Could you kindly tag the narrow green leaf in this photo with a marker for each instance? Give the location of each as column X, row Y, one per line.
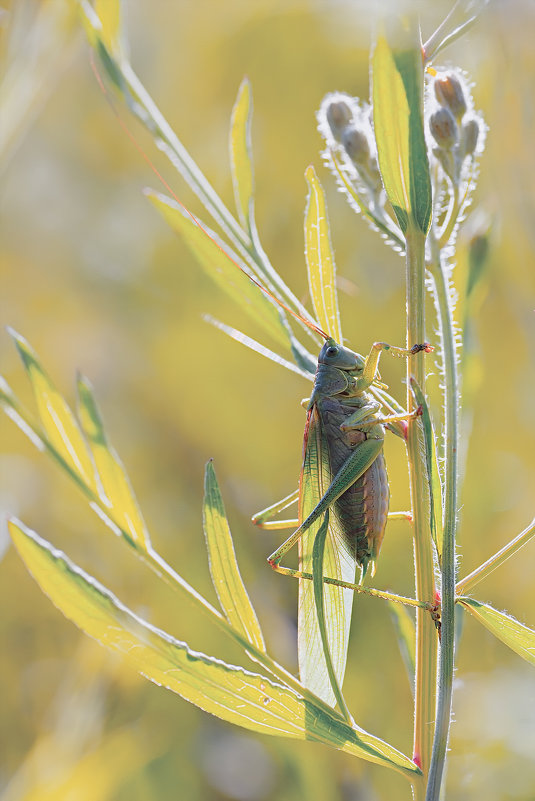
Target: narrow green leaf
column 239, row 336
column 319, row 589
column 217, row 259
column 117, row 492
column 406, row 634
column 57, row 420
column 224, row 569
column 241, row 152
column 514, row 634
column 433, row 475
column 23, row 420
column 320, row 259
column 397, row 77
column 109, row 14
column 460, row 19
column 338, row 563
column 90, row 21
column 232, row 693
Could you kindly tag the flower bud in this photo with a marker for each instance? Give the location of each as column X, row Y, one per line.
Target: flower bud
column 339, row 114
column 449, row 93
column 470, row 135
column 356, row 145
column 444, row 128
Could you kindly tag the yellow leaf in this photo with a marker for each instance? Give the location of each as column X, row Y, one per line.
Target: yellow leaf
column 224, row 570
column 219, row 262
column 109, row 13
column 58, row 421
column 232, row 693
column 515, row 635
column 118, row 494
column 241, row 152
column 320, row 259
column 398, row 126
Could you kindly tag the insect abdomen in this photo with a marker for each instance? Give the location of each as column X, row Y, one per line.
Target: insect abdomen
column 361, row 512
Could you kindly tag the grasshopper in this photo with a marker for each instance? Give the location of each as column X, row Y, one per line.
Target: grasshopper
column 343, row 479
column 344, row 436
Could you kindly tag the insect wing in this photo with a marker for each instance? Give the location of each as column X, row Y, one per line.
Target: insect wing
column 338, row 563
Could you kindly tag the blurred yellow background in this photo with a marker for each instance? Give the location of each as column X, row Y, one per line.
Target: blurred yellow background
column 97, row 283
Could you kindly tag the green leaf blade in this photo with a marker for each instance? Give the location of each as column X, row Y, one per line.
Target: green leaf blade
column 117, row 490
column 514, row 634
column 321, row 267
column 109, row 14
column 232, row 693
column 241, row 153
column 398, row 123
column 337, row 562
column 220, row 264
column 224, row 570
column 57, row 419
column 318, row 552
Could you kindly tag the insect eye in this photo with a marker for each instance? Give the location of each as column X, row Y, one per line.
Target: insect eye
column 332, row 351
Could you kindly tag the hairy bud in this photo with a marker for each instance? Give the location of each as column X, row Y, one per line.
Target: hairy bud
column 339, row 115
column 356, row 145
column 470, row 136
column 450, row 94
column 444, row 128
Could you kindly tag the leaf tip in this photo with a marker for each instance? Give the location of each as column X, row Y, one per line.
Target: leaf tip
column 17, row 531
column 245, row 85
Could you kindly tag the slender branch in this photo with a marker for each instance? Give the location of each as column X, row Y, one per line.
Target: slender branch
column 445, row 679
column 426, row 637
column 495, row 561
column 452, row 219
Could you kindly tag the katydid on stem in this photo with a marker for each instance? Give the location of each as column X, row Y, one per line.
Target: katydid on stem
column 343, row 482
column 343, row 438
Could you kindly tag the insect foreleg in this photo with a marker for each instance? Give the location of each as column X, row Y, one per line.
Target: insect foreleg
column 372, row 360
column 356, row 421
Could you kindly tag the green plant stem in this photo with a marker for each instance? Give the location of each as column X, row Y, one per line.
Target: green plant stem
column 495, row 561
column 426, row 637
column 452, row 219
column 445, row 679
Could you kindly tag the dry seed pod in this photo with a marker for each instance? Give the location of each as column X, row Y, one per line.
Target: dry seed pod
column 450, row 94
column 444, row 128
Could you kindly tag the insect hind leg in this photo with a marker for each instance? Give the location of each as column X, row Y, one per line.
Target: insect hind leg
column 360, row 588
